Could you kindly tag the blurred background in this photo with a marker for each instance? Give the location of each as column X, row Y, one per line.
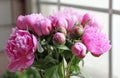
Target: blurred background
column 106, row 66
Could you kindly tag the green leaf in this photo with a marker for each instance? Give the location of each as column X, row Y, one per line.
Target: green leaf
column 76, row 60
column 75, row 69
column 29, row 73
column 49, row 59
column 9, row 74
column 63, row 47
column 46, row 62
column 64, row 62
column 56, row 71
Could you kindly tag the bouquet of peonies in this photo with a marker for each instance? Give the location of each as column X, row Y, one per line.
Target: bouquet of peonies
column 55, row 45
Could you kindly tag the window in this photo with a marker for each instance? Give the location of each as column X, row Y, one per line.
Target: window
column 5, row 12
column 9, row 10
column 107, row 66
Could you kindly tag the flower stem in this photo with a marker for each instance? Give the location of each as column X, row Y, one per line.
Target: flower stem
column 68, row 72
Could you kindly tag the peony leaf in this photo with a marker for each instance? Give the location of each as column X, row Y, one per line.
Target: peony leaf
column 56, row 71
column 76, row 60
column 63, row 47
column 75, row 69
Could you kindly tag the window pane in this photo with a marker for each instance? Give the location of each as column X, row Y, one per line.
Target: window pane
column 5, row 12
column 100, row 64
column 93, row 3
column 50, row 0
column 48, row 9
column 116, row 47
column 116, row 4
column 103, row 17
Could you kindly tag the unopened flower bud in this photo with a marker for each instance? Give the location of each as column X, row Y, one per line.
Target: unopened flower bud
column 86, row 18
column 62, row 22
column 79, row 50
column 59, row 38
column 77, row 31
column 62, row 30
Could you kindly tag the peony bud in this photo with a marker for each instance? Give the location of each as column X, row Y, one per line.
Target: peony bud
column 43, row 27
column 28, row 21
column 79, row 50
column 93, row 21
column 86, row 18
column 62, row 30
column 21, row 23
column 59, row 38
column 46, row 26
column 76, row 31
column 62, row 22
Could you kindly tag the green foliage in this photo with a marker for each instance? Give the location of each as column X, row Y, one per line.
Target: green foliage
column 63, row 47
column 51, row 61
column 75, row 70
column 56, row 71
column 8, row 74
column 28, row 73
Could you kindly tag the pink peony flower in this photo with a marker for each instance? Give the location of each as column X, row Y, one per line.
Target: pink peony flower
column 91, row 20
column 72, row 16
column 61, row 22
column 79, row 50
column 31, row 20
column 21, row 23
column 96, row 42
column 72, row 20
column 28, row 21
column 59, row 38
column 20, row 49
column 86, row 18
column 43, row 27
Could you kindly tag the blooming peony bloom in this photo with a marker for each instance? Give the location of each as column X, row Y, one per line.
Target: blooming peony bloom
column 43, row 27
column 59, row 38
column 28, row 21
column 20, row 49
column 96, row 42
column 79, row 49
